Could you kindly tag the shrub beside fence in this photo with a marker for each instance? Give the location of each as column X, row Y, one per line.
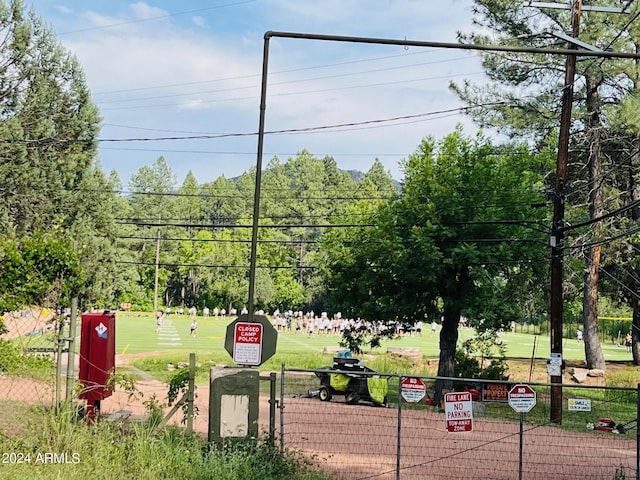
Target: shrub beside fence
column 410, row 440
column 27, row 353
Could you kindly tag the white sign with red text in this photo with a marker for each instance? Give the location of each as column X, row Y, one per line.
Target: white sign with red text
column 247, row 345
column 522, row 398
column 413, row 389
column 458, row 411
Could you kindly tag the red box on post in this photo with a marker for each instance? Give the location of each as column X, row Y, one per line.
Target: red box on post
column 97, row 357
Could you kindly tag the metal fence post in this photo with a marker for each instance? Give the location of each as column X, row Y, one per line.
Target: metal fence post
column 282, row 409
column 638, row 433
column 59, row 347
column 71, row 352
column 272, row 408
column 521, row 438
column 399, row 435
column 191, row 393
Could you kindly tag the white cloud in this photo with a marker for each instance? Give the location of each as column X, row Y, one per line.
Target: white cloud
column 125, row 62
column 142, row 10
column 94, row 19
column 64, row 9
column 195, row 104
column 198, row 21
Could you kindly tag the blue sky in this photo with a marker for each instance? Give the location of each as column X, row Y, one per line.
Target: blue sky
column 165, row 69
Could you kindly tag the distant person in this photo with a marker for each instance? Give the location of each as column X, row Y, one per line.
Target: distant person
column 310, row 327
column 579, row 336
column 628, row 341
column 193, row 328
column 419, row 328
column 434, row 327
column 205, row 312
column 159, row 320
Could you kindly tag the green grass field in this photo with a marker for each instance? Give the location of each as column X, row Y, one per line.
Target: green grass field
column 136, row 333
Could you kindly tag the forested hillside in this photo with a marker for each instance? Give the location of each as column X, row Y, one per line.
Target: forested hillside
column 198, row 235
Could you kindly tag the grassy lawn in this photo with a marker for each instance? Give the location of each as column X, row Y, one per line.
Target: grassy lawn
column 136, row 333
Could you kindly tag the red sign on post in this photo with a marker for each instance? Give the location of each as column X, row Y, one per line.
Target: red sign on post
column 247, row 344
column 412, row 389
column 458, row 409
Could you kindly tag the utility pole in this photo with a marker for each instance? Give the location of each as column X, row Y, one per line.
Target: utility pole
column 558, row 223
column 557, row 232
column 156, row 274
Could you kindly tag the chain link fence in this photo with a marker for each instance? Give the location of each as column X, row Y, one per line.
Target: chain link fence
column 389, row 430
column 400, row 439
column 29, row 379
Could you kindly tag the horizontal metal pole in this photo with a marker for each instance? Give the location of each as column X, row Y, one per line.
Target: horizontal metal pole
column 450, row 45
column 567, row 6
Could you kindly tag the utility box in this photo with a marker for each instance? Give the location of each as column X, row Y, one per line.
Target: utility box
column 97, row 357
column 233, row 404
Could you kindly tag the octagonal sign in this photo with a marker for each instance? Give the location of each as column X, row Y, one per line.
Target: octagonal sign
column 412, row 389
column 522, row 398
column 251, row 341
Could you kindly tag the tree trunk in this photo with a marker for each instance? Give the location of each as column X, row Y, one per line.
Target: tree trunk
column 592, row 347
column 635, row 329
column 634, row 288
column 448, row 343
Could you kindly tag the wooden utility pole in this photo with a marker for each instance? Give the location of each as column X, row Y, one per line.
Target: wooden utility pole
column 557, row 227
column 157, row 269
column 558, row 223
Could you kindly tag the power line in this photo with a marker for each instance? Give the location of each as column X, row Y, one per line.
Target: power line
column 607, row 240
column 236, row 196
column 303, row 92
column 288, row 82
column 299, row 130
column 217, row 240
column 207, row 265
column 148, row 19
column 240, row 219
column 338, row 126
column 233, row 225
column 278, row 72
column 252, row 154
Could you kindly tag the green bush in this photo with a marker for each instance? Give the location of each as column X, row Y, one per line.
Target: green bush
column 482, row 356
column 14, row 361
column 545, row 327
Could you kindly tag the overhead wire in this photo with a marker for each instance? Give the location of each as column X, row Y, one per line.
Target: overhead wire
column 288, row 94
column 50, row 140
column 289, row 82
column 207, row 265
column 274, row 73
column 157, row 17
